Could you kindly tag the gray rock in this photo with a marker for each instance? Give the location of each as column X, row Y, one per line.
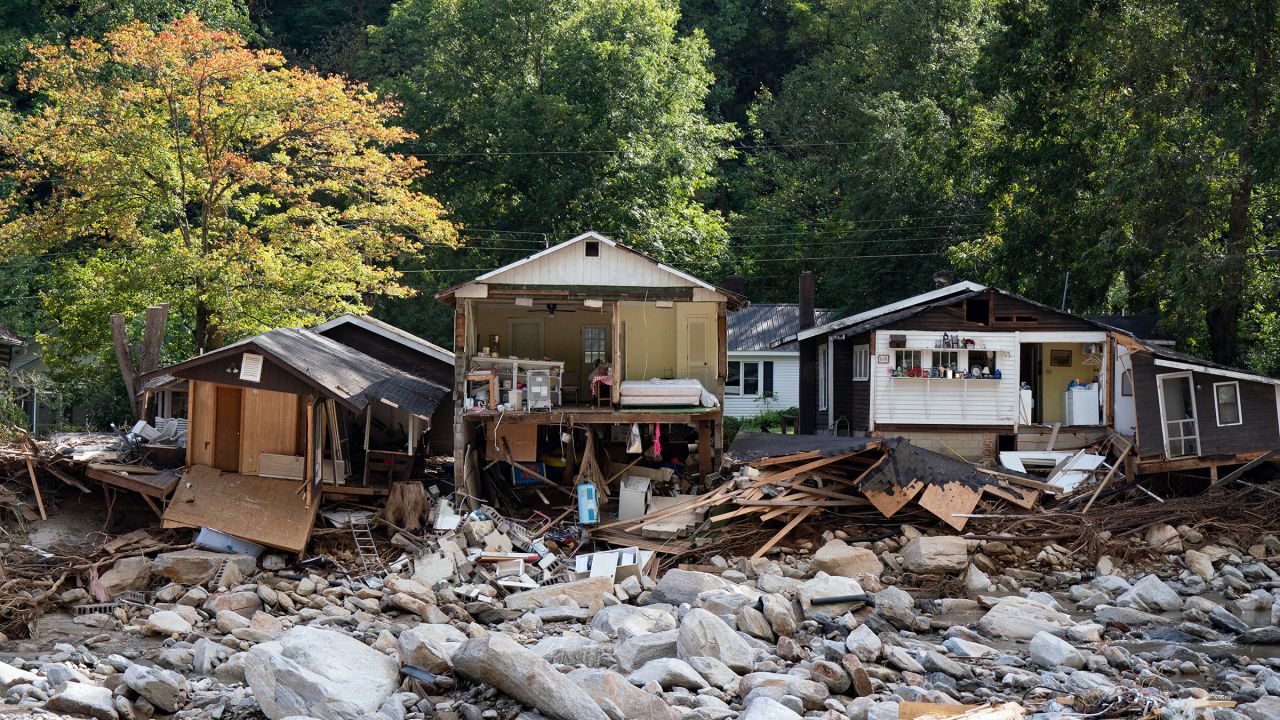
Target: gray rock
column 1224, row 620
column 1050, row 651
column 85, row 700
column 166, row 622
column 634, row 619
column 1264, row 708
column 936, row 555
column 765, row 708
column 1260, row 636
column 582, row 592
column 839, row 558
column 1150, row 594
column 1015, row 618
column 781, row 614
column 163, row 688
column 197, row 567
column 967, row 648
column 753, row 622
column 322, row 673
column 619, row 699
column 864, row 644
column 131, row 573
column 812, row 694
column 702, row 634
column 637, row 650
column 420, row 649
column 826, row 586
column 1199, row 563
column 669, row 673
column 497, row 660
column 1109, row 614
column 715, row 672
column 570, row 650
column 683, row 586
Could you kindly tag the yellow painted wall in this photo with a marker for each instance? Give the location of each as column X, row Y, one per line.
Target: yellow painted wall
column 1056, row 379
column 561, row 335
column 651, row 340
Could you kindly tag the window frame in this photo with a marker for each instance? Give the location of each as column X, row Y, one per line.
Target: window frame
column 861, row 362
column 899, row 353
column 823, row 375
column 603, row 353
column 1126, row 379
column 745, row 391
column 1217, row 405
column 733, row 388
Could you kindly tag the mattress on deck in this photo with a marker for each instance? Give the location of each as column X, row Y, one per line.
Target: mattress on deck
column 672, row 400
column 667, row 393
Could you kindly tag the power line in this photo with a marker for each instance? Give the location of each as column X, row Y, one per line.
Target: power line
column 618, row 151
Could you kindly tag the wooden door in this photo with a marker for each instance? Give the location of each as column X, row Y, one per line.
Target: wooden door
column 226, row 429
column 698, row 349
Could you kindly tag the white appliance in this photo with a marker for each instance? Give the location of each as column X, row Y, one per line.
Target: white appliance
column 539, row 391
column 1026, row 403
column 1080, row 406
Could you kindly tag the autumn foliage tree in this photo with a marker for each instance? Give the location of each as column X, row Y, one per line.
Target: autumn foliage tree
column 175, row 164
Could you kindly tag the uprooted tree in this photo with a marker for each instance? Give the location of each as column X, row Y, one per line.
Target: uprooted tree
column 175, row 164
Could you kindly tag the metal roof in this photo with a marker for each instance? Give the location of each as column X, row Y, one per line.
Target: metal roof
column 336, row 370
column 390, row 332
column 754, row 327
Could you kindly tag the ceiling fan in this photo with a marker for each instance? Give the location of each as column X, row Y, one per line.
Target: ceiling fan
column 551, row 310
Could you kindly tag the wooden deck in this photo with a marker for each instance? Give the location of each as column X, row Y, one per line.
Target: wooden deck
column 591, row 415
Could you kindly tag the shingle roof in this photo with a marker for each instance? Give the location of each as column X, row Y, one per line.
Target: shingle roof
column 1145, row 327
column 754, row 327
column 9, row 337
column 339, row 371
column 389, row 331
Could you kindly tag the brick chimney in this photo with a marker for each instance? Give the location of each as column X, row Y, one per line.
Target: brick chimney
column 806, row 299
column 736, row 284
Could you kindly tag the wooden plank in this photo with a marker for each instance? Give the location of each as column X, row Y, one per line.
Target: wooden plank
column 1016, row 479
column 35, row 487
column 705, row 449
column 911, row 709
column 523, row 440
column 785, row 459
column 225, row 453
column 946, row 500
column 783, row 532
column 268, row 424
column 1110, row 474
column 889, row 504
column 203, row 399
column 285, row 467
column 1242, row 469
column 1024, row 498
column 156, row 486
column 263, row 510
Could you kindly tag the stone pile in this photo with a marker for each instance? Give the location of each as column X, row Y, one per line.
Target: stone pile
column 815, row 630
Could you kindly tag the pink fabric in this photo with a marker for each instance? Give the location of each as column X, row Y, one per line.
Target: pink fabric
column 657, row 440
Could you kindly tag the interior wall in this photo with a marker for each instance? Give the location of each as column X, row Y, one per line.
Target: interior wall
column 561, row 335
column 200, row 421
column 1056, row 379
column 650, row 340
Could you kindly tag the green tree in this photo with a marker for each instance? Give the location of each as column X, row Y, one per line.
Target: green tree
column 176, row 165
column 560, row 117
column 860, row 172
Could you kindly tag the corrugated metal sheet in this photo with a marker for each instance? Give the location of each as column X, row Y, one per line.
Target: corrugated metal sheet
column 752, row 328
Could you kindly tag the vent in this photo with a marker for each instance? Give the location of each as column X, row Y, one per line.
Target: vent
column 592, row 248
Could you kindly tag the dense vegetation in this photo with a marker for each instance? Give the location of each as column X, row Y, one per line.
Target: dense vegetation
column 1122, row 153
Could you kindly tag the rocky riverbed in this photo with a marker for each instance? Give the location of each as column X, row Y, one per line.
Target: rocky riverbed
column 1171, row 622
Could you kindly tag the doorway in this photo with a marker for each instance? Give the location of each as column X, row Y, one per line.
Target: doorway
column 1178, row 413
column 226, row 429
column 1031, row 370
column 697, row 355
column 526, row 339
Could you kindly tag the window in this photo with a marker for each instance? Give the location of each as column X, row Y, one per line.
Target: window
column 984, row 360
column 1226, row 398
column 822, row 376
column 595, row 345
column 592, row 248
column 861, row 362
column 906, row 359
column 733, row 383
column 748, row 378
column 1126, row 383
column 947, row 359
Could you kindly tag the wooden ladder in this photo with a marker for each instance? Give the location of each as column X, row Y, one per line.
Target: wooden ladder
column 370, row 560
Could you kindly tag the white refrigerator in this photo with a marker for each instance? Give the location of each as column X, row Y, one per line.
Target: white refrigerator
column 1080, row 406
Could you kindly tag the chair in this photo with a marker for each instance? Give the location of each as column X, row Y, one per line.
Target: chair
column 569, row 383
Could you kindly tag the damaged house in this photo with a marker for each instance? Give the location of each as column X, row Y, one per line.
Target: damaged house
column 977, row 371
column 278, row 419
column 581, row 341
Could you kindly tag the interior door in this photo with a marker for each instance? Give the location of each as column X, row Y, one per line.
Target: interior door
column 226, row 429
column 1178, row 411
column 526, row 339
column 697, row 359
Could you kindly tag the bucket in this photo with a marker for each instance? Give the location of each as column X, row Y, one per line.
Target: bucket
column 588, row 505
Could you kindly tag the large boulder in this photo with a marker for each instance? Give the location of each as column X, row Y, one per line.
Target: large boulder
column 320, row 673
column 166, row 622
column 766, row 708
column 824, row 587
column 84, row 700
column 840, row 558
column 684, row 586
column 635, row 620
column 420, row 649
column 668, row 673
column 703, row 634
column 197, row 567
column 1015, row 618
column 637, row 650
column 936, row 555
column 1049, row 651
column 497, row 660
column 163, row 688
column 619, row 699
column 131, row 573
column 583, row 592
column 1150, row 594
column 1199, row 563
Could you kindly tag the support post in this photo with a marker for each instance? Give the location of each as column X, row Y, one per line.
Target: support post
column 705, row 448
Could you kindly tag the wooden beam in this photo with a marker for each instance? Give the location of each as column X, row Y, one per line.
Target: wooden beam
column 120, row 341
column 786, row 529
column 35, row 486
column 1246, row 467
column 705, row 449
column 1110, row 474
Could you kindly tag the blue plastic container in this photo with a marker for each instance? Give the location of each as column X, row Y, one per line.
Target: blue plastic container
column 588, row 505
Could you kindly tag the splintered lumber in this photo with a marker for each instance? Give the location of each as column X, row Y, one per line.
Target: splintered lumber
column 783, row 532
column 889, row 503
column 949, row 502
column 1110, row 474
column 35, row 486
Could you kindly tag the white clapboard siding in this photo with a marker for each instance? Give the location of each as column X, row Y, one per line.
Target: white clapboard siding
column 786, row 385
column 570, row 266
column 921, row 401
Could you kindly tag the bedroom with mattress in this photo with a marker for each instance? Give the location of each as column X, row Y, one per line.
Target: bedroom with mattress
column 678, row 392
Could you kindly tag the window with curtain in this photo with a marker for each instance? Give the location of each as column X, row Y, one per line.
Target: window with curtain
column 861, row 362
column 1227, row 398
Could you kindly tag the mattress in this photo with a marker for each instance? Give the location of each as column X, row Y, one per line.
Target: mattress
column 676, row 392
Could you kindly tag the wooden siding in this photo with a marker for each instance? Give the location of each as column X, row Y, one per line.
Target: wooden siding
column 809, row 416
column 274, row 377
column 952, row 318
column 200, row 423
column 852, row 397
column 1259, row 431
column 269, row 423
column 571, row 266
column 941, row 401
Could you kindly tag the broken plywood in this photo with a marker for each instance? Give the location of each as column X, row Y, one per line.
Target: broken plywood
column 891, row 500
column 266, row 511
column 949, row 500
